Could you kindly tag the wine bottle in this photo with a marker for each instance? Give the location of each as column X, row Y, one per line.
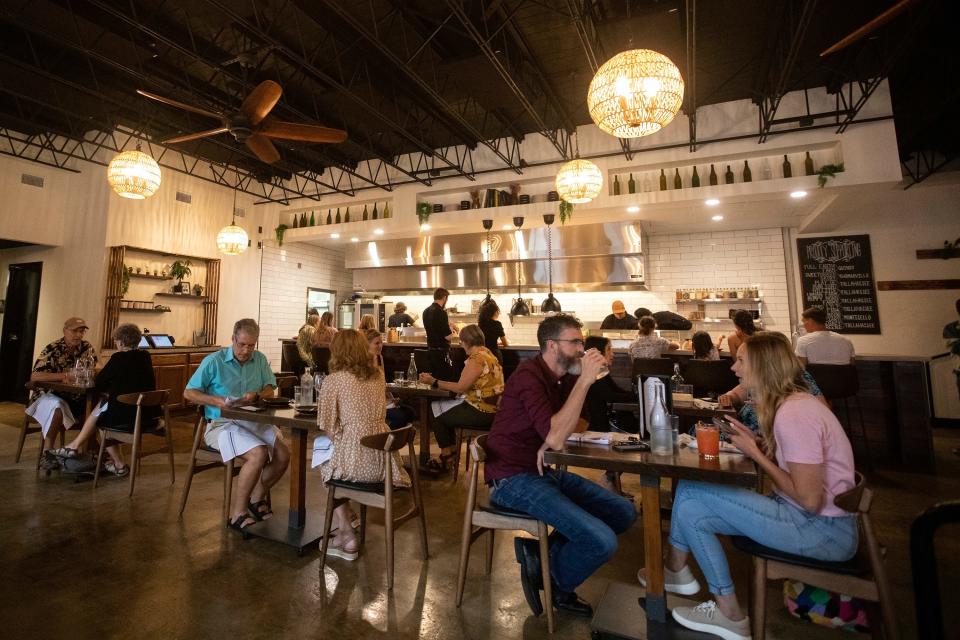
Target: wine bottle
column 313, row 220
column 296, row 222
column 631, row 185
column 808, row 165
column 303, row 219
column 695, row 180
column 787, row 169
column 366, row 214
column 663, row 181
column 747, row 176
column 713, row 176
column 346, row 218
column 677, row 180
column 616, row 185
column 376, row 214
column 329, row 217
column 338, row 219
column 728, row 176
column 386, row 210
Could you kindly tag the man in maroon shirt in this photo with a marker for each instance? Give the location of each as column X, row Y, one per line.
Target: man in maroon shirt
column 540, row 408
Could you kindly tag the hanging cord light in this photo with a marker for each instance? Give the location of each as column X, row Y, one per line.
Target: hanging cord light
column 551, row 303
column 578, row 181
column 519, row 307
column 487, row 225
column 232, row 240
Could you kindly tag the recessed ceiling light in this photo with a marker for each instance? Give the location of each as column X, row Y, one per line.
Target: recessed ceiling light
column 379, row 232
column 712, row 202
column 354, row 239
column 798, row 194
column 507, row 227
column 425, row 227
column 633, row 209
column 335, row 236
column 717, row 218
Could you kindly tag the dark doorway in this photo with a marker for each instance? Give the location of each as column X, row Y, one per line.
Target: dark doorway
column 19, row 330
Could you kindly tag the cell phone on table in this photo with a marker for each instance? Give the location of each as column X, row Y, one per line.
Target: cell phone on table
column 725, row 427
column 631, row 446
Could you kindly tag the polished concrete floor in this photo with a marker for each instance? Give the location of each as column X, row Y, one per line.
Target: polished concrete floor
column 82, row 563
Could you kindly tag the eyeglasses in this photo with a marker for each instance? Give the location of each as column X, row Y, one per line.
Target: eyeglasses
column 576, row 341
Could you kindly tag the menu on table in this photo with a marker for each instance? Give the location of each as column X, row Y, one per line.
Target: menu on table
column 836, row 273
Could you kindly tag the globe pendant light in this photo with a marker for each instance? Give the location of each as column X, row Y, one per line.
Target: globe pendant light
column 551, row 303
column 487, row 225
column 635, row 93
column 579, row 181
column 232, row 240
column 519, row 307
column 133, row 174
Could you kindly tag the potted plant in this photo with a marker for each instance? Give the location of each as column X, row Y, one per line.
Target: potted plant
column 565, row 211
column 198, row 290
column 424, row 209
column 124, row 280
column 828, row 171
column 280, row 230
column 180, row 269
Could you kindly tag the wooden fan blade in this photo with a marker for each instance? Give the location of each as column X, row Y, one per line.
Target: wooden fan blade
column 196, row 136
column 870, row 27
column 180, row 105
column 263, row 148
column 260, row 101
column 302, row 132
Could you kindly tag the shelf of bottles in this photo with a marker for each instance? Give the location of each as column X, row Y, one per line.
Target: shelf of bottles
column 367, row 212
column 736, row 298
column 721, row 172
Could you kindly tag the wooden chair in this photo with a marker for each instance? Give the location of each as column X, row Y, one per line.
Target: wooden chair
column 840, row 383
column 25, row 430
column 379, row 495
column 864, row 576
column 204, row 458
column 290, row 356
column 468, row 433
column 484, row 517
column 140, row 400
column 709, row 376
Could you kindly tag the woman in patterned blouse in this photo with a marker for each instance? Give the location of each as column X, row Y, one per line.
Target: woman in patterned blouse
column 648, row 344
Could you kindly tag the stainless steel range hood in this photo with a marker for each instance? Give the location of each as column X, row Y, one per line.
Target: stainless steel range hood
column 585, row 258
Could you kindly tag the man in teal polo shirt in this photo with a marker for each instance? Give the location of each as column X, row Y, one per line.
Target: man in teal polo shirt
column 235, row 376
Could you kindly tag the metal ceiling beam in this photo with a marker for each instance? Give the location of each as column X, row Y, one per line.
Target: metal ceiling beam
column 690, row 20
column 923, row 164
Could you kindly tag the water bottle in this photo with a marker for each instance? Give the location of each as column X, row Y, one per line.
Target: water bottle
column 661, row 431
column 306, row 388
column 412, row 371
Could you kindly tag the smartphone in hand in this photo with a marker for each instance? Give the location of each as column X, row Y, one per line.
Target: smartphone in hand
column 725, row 427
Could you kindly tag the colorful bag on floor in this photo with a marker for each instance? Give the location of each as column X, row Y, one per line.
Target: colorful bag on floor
column 825, row 608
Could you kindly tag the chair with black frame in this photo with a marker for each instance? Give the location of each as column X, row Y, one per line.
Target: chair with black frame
column 379, row 495
column 652, row 366
column 485, row 517
column 709, row 377
column 421, row 357
column 321, row 359
column 140, row 400
column 291, row 359
column 864, row 576
column 841, row 383
column 204, row 458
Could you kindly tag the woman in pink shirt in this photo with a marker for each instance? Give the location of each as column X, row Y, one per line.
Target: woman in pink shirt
column 803, row 450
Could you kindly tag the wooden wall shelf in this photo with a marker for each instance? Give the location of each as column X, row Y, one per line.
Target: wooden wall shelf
column 182, row 296
column 122, row 310
column 148, row 276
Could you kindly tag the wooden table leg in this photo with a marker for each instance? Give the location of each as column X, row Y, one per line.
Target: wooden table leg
column 424, row 429
column 297, row 516
column 656, row 602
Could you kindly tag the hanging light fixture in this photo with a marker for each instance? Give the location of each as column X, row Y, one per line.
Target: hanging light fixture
column 133, row 174
column 635, row 93
column 232, row 240
column 487, row 225
column 578, row 181
column 519, row 307
column 551, row 303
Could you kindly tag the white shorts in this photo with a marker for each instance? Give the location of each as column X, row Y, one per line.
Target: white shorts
column 234, row 438
column 45, row 406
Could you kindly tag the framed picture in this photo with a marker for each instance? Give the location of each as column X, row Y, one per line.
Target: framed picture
column 184, row 287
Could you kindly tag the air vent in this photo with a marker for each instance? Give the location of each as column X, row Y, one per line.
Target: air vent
column 238, row 212
column 33, row 181
column 184, row 197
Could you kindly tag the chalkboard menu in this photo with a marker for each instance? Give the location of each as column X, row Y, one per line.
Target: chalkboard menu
column 836, row 274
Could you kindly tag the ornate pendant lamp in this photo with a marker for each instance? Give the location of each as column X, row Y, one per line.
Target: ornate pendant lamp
column 551, row 303
column 635, row 93
column 133, row 174
column 232, row 240
column 578, row 181
column 487, row 225
column 519, row 307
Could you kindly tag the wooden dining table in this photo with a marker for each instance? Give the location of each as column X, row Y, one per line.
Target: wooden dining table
column 618, row 613
column 297, row 529
column 424, row 394
column 89, row 391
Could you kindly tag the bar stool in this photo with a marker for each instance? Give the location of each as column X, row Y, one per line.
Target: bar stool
column 841, row 383
column 482, row 516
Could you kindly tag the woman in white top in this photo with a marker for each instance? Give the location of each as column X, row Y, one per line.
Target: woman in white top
column 648, row 344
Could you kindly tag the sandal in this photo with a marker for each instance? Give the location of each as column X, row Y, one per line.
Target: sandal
column 343, row 554
column 64, row 452
column 435, row 466
column 448, row 460
column 120, row 472
column 241, row 522
column 260, row 510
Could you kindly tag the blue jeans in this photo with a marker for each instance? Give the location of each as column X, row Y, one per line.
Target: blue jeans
column 586, row 519
column 702, row 510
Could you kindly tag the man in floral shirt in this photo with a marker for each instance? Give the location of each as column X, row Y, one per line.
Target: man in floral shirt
column 55, row 364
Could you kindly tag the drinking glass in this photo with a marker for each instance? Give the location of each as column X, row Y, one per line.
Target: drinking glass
column 708, row 440
column 297, row 395
column 398, row 378
column 675, row 428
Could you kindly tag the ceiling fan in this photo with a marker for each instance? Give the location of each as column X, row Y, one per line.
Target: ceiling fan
column 252, row 124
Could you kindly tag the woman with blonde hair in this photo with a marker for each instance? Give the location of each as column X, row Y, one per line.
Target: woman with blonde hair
column 323, row 334
column 367, row 322
column 804, row 451
column 352, row 406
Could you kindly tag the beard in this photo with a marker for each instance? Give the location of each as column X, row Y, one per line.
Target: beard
column 571, row 364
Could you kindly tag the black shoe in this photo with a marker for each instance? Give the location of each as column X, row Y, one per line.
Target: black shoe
column 531, row 579
column 571, row 603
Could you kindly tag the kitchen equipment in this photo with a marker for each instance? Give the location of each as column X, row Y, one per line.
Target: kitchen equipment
column 350, row 312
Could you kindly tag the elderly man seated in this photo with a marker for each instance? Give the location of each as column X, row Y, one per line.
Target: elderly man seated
column 55, row 410
column 234, row 376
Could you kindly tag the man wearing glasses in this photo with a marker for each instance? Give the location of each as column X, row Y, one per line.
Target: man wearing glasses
column 540, row 408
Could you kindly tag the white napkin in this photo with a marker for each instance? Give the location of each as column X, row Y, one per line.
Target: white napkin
column 322, row 450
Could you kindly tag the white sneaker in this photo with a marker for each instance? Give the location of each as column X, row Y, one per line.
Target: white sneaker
column 680, row 582
column 337, row 552
column 708, row 618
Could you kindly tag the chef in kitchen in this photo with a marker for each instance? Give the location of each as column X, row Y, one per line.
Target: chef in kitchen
column 619, row 320
column 400, row 317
